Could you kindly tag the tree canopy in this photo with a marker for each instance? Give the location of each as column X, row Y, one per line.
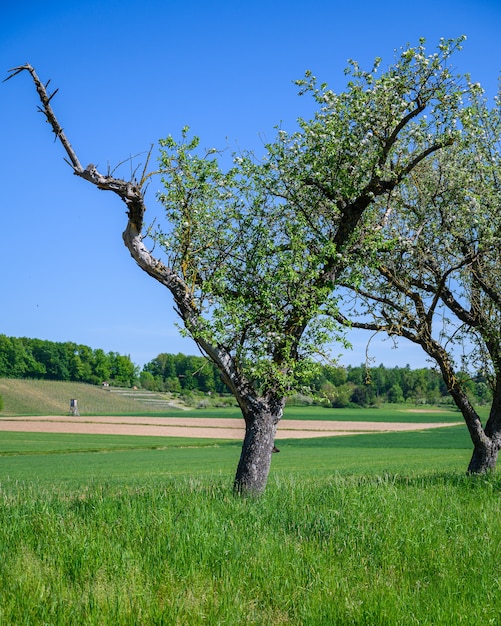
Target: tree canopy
column 252, row 253
column 22, row 357
column 436, row 280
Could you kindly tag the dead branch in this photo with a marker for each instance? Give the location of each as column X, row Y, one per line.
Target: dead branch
column 131, row 194
column 46, row 109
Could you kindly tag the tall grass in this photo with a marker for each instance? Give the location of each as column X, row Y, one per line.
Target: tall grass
column 336, row 550
column 377, row 529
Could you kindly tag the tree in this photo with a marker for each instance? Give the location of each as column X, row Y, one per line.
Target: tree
column 250, row 254
column 17, row 360
column 395, row 394
column 122, row 371
column 101, row 366
column 437, row 279
column 148, row 381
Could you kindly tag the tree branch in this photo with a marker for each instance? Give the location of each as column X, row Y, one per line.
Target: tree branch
column 131, row 194
column 420, row 107
column 49, row 113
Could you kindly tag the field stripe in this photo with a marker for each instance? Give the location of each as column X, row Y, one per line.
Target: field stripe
column 205, row 428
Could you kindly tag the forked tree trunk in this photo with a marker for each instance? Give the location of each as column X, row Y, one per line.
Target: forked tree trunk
column 255, row 459
column 486, row 447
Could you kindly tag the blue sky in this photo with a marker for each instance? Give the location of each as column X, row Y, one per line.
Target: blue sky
column 130, row 73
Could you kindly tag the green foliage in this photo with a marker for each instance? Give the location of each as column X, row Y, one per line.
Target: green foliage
column 338, row 386
column 258, row 245
column 445, row 227
column 436, row 281
column 395, row 394
column 68, row 361
column 175, row 373
column 246, row 259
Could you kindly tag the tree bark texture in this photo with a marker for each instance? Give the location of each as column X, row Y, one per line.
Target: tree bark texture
column 255, row 459
column 484, row 457
column 486, row 448
column 486, row 440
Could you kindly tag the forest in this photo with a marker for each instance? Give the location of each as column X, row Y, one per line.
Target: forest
column 329, row 385
column 67, row 361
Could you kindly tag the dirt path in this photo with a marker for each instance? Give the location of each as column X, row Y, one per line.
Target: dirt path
column 207, row 428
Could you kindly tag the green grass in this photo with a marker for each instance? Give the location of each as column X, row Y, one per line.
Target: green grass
column 50, row 397
column 318, row 551
column 68, row 457
column 64, row 457
column 386, row 413
column 20, row 443
column 381, row 529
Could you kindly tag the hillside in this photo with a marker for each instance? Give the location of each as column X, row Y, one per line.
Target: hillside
column 43, row 397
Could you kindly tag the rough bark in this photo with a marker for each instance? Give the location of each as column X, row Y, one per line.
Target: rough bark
column 484, row 457
column 261, row 420
column 486, row 449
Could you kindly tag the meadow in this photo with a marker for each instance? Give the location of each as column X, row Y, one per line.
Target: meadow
column 379, row 529
column 338, row 549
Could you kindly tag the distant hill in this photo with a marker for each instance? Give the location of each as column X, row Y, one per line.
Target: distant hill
column 46, row 397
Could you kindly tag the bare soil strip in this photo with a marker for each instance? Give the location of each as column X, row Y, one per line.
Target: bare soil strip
column 204, row 428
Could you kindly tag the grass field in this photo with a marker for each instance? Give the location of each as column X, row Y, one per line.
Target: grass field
column 54, row 458
column 355, row 549
column 48, row 397
column 376, row 529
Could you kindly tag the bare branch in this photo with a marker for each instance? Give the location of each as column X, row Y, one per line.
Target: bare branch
column 130, row 193
column 49, row 114
column 14, row 71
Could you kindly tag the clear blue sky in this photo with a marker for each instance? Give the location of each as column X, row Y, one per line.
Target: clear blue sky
column 132, row 72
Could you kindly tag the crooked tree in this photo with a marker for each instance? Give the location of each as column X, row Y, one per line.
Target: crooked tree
column 251, row 253
column 437, row 278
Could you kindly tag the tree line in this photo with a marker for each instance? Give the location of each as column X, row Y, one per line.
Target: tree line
column 49, row 360
column 332, row 386
column 329, row 385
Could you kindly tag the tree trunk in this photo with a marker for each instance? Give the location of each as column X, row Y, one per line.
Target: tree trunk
column 255, row 459
column 486, row 442
column 484, row 457
column 486, row 448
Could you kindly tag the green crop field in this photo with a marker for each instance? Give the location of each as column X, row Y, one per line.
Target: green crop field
column 377, row 529
column 55, row 458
